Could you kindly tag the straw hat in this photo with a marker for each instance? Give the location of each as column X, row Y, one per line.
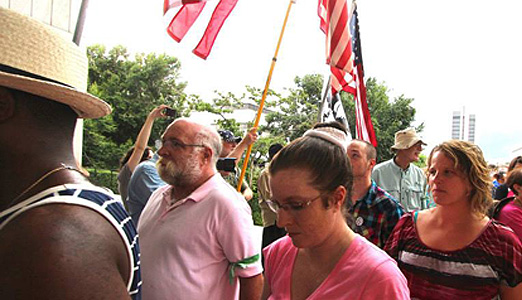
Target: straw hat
column 406, row 138
column 36, row 59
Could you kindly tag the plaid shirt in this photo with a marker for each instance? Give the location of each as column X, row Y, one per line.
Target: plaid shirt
column 375, row 215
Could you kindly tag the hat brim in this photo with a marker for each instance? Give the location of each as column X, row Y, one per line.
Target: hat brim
column 402, row 147
column 86, row 106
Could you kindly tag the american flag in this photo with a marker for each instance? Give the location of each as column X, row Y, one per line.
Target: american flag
column 188, row 14
column 345, row 59
column 334, row 23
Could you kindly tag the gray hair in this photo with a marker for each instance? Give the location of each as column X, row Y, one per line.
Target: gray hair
column 210, row 138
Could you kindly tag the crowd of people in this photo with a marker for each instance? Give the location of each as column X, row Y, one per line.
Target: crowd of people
column 336, row 225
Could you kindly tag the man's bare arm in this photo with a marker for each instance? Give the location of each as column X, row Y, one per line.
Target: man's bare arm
column 251, row 287
column 249, row 139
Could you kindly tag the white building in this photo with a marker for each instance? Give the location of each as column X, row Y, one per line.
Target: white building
column 463, row 126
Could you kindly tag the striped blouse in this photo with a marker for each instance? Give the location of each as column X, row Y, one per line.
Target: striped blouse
column 474, row 272
column 99, row 200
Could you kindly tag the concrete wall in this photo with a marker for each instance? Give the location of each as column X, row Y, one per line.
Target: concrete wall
column 61, row 14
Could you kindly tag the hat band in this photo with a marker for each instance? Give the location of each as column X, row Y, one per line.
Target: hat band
column 15, row 71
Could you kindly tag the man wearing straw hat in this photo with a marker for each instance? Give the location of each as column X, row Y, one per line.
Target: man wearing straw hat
column 61, row 237
column 399, row 176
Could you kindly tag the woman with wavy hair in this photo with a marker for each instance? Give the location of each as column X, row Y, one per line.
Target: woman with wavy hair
column 454, row 251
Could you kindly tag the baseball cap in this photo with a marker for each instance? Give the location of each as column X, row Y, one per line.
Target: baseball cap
column 229, row 137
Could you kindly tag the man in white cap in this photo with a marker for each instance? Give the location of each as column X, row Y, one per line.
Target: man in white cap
column 398, row 176
column 61, row 237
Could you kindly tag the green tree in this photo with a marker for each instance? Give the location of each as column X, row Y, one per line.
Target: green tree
column 387, row 116
column 133, row 87
column 222, row 105
column 298, row 111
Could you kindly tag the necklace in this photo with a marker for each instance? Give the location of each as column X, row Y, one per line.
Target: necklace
column 60, row 168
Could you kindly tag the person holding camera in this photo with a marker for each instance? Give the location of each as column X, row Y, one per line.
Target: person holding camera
column 139, row 152
column 233, row 148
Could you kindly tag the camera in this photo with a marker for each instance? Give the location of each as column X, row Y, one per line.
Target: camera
column 169, row 112
column 227, row 164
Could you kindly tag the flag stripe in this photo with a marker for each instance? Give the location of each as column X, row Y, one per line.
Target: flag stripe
column 220, row 14
column 170, row 4
column 184, row 19
column 340, row 43
column 342, row 81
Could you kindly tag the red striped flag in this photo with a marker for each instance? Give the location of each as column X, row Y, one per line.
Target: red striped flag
column 334, row 23
column 169, row 4
column 346, row 77
column 364, row 124
column 188, row 14
column 183, row 20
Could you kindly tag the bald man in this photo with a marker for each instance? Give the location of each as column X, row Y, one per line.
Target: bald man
column 197, row 230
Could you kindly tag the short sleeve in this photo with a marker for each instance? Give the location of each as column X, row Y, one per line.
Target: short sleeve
column 393, row 244
column 238, row 237
column 390, row 282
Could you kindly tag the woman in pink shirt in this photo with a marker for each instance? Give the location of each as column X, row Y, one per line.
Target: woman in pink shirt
column 511, row 213
column 321, row 257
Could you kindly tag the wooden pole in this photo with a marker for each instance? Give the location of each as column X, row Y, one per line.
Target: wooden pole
column 262, row 103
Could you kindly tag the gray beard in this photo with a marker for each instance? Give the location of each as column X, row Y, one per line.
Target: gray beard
column 185, row 175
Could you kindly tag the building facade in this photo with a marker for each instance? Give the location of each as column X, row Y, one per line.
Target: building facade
column 463, row 126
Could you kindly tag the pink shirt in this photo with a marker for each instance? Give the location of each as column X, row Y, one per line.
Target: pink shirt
column 363, row 272
column 186, row 248
column 511, row 215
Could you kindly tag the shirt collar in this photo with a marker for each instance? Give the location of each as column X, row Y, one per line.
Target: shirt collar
column 367, row 199
column 398, row 167
column 198, row 194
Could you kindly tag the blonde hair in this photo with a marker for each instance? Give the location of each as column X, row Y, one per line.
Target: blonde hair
column 468, row 158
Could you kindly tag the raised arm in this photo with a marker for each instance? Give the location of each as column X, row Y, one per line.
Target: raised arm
column 143, row 137
column 249, row 139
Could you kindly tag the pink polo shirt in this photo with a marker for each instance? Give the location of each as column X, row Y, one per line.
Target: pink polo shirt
column 186, row 248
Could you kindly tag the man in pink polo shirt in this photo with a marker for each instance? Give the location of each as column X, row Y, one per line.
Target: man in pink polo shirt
column 196, row 233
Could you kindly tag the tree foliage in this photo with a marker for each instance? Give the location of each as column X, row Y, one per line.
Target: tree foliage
column 388, row 116
column 298, row 111
column 133, row 87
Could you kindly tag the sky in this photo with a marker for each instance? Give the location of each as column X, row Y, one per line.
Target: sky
column 447, row 55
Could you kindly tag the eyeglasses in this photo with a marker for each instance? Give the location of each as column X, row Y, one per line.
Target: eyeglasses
column 173, row 143
column 292, row 206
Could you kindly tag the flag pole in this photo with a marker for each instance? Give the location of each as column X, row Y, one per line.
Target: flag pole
column 262, row 103
column 323, row 100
